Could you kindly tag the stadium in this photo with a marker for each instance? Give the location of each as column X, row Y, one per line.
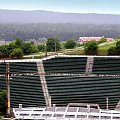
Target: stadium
column 62, row 79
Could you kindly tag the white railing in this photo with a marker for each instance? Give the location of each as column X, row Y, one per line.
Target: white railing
column 70, row 113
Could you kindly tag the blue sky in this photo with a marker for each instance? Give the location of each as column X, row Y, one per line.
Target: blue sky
column 77, row 6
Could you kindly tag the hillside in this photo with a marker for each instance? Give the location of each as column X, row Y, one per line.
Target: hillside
column 62, row 31
column 39, row 16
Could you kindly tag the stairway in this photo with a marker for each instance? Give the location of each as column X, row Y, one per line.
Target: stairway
column 118, row 106
column 41, row 74
column 89, row 65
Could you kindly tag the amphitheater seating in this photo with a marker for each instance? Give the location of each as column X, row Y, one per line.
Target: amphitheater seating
column 63, row 86
column 2, row 83
column 2, row 68
column 2, row 76
column 106, row 65
column 66, row 89
column 26, row 90
column 23, row 67
column 26, row 86
column 76, row 65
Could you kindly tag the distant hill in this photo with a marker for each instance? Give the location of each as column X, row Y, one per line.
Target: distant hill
column 19, row 16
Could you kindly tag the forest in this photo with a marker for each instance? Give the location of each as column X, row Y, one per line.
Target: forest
column 62, row 31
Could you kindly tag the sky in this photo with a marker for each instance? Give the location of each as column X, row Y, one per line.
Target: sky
column 66, row 6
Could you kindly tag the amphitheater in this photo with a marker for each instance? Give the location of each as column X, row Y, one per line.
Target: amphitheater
column 63, row 79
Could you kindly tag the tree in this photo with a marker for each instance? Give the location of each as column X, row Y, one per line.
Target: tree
column 4, row 49
column 112, row 51
column 17, row 53
column 2, row 102
column 118, row 47
column 103, row 39
column 41, row 48
column 19, row 43
column 70, row 44
column 91, row 48
column 53, row 45
column 27, row 48
column 34, row 48
column 11, row 47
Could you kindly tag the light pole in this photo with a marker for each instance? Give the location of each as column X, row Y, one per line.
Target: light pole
column 45, row 50
column 55, row 41
column 8, row 87
column 55, row 47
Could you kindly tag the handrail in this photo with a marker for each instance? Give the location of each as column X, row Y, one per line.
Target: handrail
column 30, row 113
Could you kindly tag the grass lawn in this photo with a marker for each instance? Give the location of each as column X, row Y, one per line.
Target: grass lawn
column 103, row 49
column 75, row 51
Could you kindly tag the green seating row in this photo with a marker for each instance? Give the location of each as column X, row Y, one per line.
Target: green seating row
column 26, row 90
column 106, row 65
column 65, row 65
column 23, row 67
column 25, row 84
column 64, row 90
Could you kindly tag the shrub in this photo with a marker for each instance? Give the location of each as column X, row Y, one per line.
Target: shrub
column 2, row 102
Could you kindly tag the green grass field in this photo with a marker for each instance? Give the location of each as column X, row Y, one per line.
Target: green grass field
column 103, row 48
